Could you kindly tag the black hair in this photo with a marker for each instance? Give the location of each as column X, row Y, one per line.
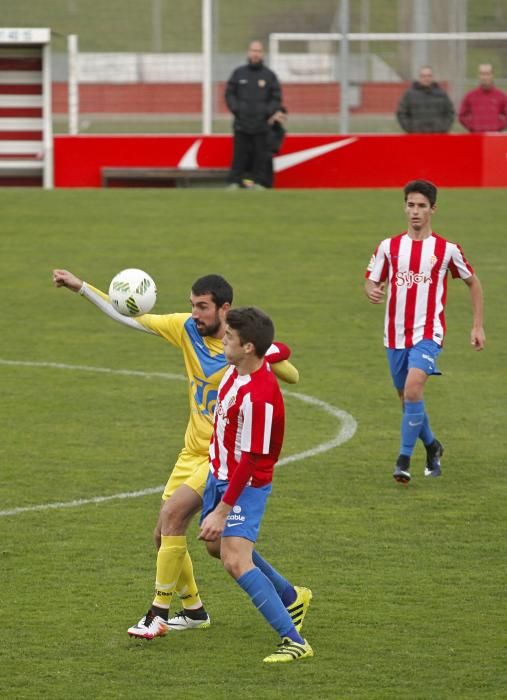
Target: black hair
column 215, row 285
column 253, row 326
column 424, row 187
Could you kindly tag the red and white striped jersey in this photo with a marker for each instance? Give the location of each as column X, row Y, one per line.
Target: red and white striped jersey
column 249, row 417
column 416, row 276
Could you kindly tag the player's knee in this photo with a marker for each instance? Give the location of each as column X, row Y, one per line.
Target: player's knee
column 414, row 392
column 230, row 565
column 236, row 564
column 173, row 519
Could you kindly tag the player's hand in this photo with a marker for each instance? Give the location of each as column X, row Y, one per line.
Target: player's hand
column 64, row 278
column 212, row 527
column 278, row 117
column 376, row 293
column 478, row 338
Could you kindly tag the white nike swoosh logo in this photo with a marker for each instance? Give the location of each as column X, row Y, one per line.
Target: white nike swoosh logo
column 233, row 524
column 414, row 425
column 188, row 161
column 289, row 160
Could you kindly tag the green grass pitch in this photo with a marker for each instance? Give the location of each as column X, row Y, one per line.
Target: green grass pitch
column 408, row 583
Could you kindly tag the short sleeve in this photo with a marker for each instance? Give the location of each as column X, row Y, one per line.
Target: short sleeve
column 458, row 264
column 378, row 267
column 169, row 326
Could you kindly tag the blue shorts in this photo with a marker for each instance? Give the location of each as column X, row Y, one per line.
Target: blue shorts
column 422, row 355
column 244, row 520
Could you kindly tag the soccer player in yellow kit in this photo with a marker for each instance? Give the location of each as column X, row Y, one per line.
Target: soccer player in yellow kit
column 199, row 336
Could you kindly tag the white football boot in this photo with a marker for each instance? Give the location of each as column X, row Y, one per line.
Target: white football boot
column 149, row 627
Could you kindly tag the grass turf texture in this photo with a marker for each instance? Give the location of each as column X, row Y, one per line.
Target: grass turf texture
column 408, row 583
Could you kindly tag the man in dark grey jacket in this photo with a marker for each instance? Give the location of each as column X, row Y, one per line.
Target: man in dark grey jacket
column 425, row 108
column 253, row 95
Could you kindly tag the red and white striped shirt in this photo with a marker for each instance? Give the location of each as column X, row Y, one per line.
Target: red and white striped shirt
column 416, row 276
column 249, row 422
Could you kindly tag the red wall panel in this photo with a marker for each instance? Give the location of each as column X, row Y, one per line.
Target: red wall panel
column 326, row 161
column 495, row 161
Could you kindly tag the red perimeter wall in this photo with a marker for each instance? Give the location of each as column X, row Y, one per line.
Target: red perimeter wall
column 186, row 98
column 306, row 161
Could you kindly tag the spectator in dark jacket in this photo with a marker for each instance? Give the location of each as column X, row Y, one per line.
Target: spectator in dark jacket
column 253, row 95
column 485, row 108
column 425, row 108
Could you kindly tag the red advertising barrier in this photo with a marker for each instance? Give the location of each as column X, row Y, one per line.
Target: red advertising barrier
column 306, row 161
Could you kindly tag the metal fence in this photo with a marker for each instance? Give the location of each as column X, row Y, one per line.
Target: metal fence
column 161, row 65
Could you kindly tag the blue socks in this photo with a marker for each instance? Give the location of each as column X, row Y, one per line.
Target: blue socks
column 267, row 601
column 411, row 426
column 426, row 433
column 284, row 589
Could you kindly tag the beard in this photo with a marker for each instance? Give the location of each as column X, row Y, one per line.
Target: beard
column 210, row 329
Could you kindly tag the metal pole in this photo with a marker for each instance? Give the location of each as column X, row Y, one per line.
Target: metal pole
column 207, row 29
column 421, row 25
column 47, row 146
column 73, row 84
column 344, row 67
column 460, row 12
column 156, row 26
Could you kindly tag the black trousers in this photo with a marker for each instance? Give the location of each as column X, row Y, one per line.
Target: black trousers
column 251, row 153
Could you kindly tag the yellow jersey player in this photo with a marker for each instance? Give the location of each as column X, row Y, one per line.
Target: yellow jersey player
column 199, row 337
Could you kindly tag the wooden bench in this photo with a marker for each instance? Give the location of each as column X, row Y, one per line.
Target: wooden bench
column 163, row 177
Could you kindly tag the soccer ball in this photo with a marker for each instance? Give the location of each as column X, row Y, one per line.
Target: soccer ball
column 132, row 292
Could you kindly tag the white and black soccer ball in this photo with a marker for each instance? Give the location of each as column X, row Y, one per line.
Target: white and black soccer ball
column 133, row 292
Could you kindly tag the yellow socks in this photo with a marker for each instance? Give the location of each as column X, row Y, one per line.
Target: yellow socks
column 187, row 587
column 170, row 558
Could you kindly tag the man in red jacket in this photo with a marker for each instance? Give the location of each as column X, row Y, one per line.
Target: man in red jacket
column 485, row 108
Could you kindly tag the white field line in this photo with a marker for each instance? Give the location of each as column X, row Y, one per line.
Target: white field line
column 348, row 427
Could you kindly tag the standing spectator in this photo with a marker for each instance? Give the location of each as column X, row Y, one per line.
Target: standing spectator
column 425, row 108
column 253, row 96
column 485, row 108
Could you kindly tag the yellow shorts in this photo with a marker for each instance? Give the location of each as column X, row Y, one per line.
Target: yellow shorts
column 190, row 469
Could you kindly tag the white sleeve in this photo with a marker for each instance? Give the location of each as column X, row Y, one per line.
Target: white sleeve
column 108, row 309
column 459, row 265
column 377, row 270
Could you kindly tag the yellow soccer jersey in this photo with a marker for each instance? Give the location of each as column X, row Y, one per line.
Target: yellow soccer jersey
column 205, row 365
column 204, row 359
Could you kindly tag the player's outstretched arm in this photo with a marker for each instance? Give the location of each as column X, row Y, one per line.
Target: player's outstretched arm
column 64, row 278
